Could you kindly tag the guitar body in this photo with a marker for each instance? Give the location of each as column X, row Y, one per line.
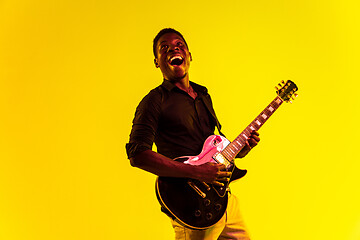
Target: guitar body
column 193, row 203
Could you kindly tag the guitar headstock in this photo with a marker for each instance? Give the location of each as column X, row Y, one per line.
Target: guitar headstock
column 287, row 90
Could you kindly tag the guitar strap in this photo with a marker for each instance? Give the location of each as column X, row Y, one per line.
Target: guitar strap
column 207, row 102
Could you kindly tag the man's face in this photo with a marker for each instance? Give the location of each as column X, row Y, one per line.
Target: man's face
column 173, row 57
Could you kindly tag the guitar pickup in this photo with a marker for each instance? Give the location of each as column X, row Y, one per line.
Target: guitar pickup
column 193, row 186
column 219, row 158
column 208, row 188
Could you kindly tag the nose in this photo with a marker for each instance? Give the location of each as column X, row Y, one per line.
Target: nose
column 174, row 48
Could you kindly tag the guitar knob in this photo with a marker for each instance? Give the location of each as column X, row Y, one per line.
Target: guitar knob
column 218, row 206
column 197, row 213
column 207, row 202
column 209, row 216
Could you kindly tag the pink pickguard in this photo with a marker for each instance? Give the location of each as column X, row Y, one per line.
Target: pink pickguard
column 212, row 145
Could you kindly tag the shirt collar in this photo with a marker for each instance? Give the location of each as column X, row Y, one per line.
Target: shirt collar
column 198, row 88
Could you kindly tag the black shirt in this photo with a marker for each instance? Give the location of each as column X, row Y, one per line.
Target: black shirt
column 177, row 123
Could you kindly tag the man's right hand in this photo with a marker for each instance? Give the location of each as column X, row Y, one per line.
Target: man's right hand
column 213, row 173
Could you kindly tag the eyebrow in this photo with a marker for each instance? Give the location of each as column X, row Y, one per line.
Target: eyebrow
column 180, row 39
column 162, row 42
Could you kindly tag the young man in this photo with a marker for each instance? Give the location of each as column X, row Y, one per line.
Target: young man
column 178, row 116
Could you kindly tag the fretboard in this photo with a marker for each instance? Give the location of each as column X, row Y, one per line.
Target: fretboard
column 239, row 142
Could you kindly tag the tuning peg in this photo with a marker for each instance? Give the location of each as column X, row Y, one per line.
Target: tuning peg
column 276, row 87
column 295, row 95
column 282, row 81
column 279, row 85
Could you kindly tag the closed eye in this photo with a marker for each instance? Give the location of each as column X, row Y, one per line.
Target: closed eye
column 164, row 47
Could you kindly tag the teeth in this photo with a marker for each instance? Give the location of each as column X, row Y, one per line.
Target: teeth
column 175, row 57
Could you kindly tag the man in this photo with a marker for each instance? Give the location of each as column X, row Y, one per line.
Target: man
column 178, row 116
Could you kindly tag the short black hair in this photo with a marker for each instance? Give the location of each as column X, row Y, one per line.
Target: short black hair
column 164, row 31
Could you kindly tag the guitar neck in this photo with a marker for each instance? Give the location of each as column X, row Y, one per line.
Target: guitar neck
column 239, row 142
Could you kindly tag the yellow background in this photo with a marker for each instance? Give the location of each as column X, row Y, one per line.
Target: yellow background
column 72, row 73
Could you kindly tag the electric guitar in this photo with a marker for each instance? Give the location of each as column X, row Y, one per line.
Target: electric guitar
column 200, row 205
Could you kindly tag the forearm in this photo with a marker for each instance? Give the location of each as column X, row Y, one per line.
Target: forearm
column 163, row 166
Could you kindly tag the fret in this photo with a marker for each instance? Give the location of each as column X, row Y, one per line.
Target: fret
column 260, row 119
column 229, row 155
column 235, row 149
column 255, row 125
column 238, row 142
column 245, row 133
column 231, row 150
column 226, row 154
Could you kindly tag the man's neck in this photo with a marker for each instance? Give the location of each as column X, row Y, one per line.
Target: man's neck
column 184, row 84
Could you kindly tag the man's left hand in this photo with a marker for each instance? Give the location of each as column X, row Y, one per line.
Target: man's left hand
column 251, row 142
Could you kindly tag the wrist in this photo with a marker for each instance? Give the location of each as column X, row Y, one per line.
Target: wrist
column 194, row 171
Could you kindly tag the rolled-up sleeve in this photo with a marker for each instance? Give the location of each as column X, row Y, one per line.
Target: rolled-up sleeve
column 145, row 124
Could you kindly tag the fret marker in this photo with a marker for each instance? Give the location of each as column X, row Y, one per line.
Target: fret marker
column 271, row 109
column 252, row 128
column 264, row 116
column 246, row 137
column 258, row 122
column 278, row 101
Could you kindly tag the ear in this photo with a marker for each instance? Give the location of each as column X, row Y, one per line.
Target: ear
column 156, row 63
column 190, row 56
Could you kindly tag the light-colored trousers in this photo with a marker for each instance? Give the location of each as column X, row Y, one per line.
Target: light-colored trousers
column 230, row 226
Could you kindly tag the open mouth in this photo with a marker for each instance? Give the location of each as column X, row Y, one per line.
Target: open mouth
column 176, row 60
